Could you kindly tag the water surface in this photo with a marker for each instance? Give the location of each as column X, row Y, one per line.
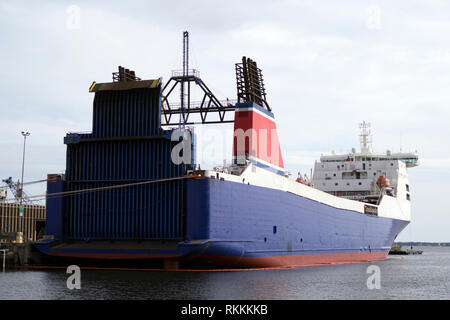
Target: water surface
column 423, row 276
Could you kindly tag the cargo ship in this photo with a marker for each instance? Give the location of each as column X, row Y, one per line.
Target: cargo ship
column 133, row 192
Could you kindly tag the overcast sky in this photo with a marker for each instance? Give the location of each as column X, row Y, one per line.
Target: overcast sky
column 328, row 65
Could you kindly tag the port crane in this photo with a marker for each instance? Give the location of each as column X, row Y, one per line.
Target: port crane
column 17, row 191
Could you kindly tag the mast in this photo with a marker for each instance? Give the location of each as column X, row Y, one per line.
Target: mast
column 365, row 138
column 185, row 74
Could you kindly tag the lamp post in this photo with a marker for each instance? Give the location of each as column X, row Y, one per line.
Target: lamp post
column 25, row 135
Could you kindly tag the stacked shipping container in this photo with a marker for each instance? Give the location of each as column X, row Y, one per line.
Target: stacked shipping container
column 126, row 146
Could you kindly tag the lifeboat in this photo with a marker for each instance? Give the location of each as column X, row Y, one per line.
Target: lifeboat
column 382, row 181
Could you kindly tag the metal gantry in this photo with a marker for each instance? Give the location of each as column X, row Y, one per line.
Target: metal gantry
column 208, row 105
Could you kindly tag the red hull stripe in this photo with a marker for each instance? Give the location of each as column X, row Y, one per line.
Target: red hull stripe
column 248, row 262
column 298, row 260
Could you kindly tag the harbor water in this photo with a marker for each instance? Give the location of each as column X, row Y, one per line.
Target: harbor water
column 401, row 277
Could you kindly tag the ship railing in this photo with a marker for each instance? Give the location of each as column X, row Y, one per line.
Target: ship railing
column 202, row 104
column 190, row 72
column 368, row 197
column 80, row 132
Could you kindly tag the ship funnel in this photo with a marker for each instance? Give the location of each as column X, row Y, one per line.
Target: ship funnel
column 255, row 132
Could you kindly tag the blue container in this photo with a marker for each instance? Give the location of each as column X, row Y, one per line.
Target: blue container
column 138, row 159
column 127, row 145
column 55, row 206
column 121, row 113
column 142, row 212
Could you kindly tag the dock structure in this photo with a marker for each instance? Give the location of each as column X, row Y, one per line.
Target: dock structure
column 33, row 221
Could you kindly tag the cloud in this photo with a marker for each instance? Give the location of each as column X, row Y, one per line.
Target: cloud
column 325, row 71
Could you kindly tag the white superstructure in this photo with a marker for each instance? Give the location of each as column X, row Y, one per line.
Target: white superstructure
column 358, row 176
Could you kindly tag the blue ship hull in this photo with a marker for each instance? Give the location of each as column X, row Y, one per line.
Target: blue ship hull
column 240, row 225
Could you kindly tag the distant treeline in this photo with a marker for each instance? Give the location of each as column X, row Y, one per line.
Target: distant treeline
column 434, row 244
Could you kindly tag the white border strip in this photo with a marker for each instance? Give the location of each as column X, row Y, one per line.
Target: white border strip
column 266, row 163
column 257, row 111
